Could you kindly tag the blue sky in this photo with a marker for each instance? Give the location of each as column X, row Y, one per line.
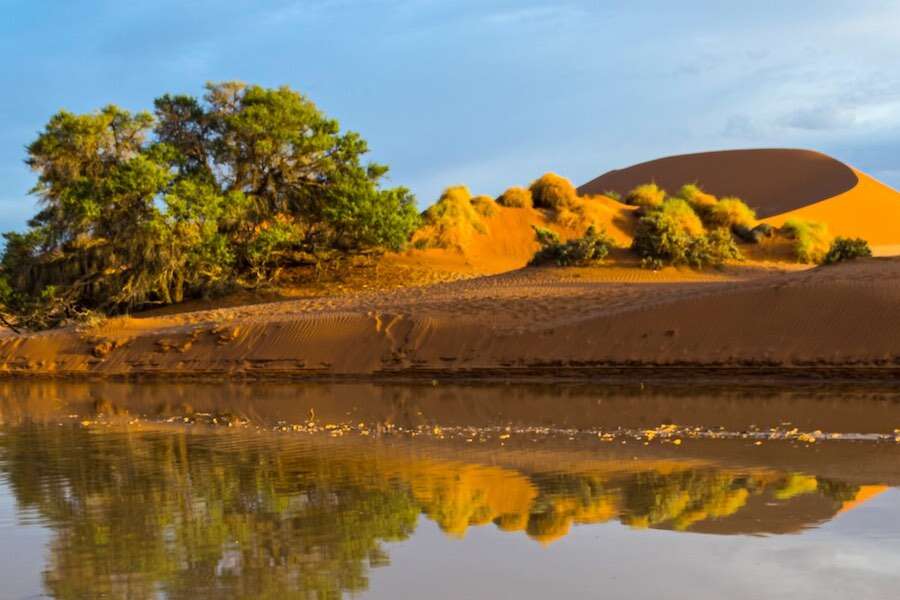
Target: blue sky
column 483, row 92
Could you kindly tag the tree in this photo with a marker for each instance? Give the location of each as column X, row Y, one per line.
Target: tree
column 140, row 208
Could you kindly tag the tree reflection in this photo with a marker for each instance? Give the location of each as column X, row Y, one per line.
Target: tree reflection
column 168, row 513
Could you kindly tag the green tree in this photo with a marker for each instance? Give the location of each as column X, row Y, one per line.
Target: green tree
column 137, row 208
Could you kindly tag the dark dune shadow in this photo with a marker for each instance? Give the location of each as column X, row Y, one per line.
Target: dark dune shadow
column 771, row 181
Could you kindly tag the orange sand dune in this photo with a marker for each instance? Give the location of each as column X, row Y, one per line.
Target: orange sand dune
column 870, row 210
column 508, row 241
column 771, row 181
column 779, row 184
column 844, row 318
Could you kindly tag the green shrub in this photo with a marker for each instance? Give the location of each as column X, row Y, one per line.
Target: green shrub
column 702, row 202
column 846, row 249
column 647, row 196
column 553, row 192
column 452, row 220
column 515, row 197
column 674, row 234
column 613, row 194
column 484, row 205
column 731, row 212
column 583, row 251
column 811, row 239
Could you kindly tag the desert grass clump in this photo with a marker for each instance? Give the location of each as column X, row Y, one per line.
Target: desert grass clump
column 516, row 197
column 674, row 234
column 731, row 212
column 702, row 202
column 484, row 205
column 553, row 192
column 646, row 196
column 451, row 221
column 812, row 241
column 847, row 249
column 587, row 250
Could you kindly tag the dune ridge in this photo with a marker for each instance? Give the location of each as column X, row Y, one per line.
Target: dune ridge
column 779, row 184
column 771, row 181
column 536, row 322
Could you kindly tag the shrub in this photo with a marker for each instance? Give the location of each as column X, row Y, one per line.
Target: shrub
column 647, row 196
column 587, row 250
column 613, row 194
column 811, row 239
column 553, row 192
column 484, row 205
column 755, row 235
column 674, row 234
column 846, row 249
column 452, row 220
column 702, row 202
column 515, row 197
column 731, row 212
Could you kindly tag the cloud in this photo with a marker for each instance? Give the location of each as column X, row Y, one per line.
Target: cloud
column 819, row 118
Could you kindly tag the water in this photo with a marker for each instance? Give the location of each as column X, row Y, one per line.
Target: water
column 322, row 491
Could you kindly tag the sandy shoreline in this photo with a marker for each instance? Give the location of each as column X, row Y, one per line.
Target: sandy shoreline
column 839, row 322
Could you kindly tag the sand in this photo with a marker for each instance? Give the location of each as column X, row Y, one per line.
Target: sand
column 475, row 311
column 779, row 184
column 771, row 181
column 841, row 319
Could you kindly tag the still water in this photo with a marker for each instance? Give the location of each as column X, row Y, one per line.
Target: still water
column 433, row 491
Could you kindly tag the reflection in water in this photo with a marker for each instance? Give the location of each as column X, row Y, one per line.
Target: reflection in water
column 232, row 515
column 147, row 508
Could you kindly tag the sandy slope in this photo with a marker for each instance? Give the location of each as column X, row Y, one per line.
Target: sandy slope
column 532, row 322
column 490, row 317
column 772, row 181
column 779, row 184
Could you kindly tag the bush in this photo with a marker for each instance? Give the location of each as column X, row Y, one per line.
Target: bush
column 699, row 200
column 452, row 220
column 647, row 196
column 811, row 239
column 674, row 234
column 484, row 205
column 846, row 249
column 755, row 235
column 553, row 192
column 515, row 197
column 613, row 194
column 731, row 212
column 583, row 251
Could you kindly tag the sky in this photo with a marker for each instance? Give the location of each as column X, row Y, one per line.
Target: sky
column 487, row 93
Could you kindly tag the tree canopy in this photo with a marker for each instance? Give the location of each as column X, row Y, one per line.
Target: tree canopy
column 199, row 196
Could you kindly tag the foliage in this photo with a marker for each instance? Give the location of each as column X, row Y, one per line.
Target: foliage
column 674, row 234
column 613, row 194
column 515, row 197
column 646, row 196
column 730, row 212
column 208, row 194
column 591, row 248
column 847, row 249
column 553, row 192
column 812, row 240
column 484, row 206
column 754, row 235
column 452, row 220
column 702, row 202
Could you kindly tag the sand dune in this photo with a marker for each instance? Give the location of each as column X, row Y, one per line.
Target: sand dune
column 490, row 317
column 779, row 184
column 771, row 181
column 532, row 322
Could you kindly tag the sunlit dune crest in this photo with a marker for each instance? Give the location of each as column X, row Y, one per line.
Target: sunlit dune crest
column 866, row 493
